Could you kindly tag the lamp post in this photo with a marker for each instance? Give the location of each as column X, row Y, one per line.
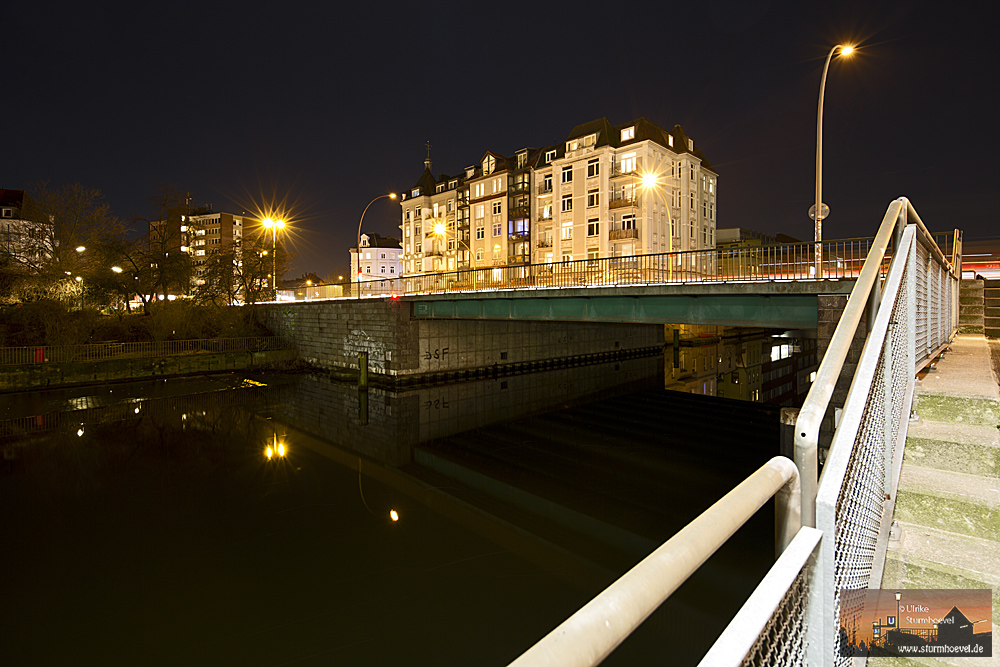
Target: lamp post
column 274, row 226
column 651, row 180
column 819, row 210
column 390, row 195
column 441, row 231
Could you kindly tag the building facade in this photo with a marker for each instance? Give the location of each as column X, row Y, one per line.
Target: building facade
column 379, row 258
column 205, row 233
column 607, row 191
column 24, row 242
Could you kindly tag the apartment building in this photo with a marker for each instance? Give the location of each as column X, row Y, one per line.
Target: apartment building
column 204, row 233
column 379, row 258
column 606, row 191
column 24, row 241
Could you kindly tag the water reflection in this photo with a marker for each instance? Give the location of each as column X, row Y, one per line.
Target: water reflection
column 747, row 364
column 472, row 517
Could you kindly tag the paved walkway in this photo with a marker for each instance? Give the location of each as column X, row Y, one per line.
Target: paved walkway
column 948, row 501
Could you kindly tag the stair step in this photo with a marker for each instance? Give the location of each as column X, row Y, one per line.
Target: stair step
column 964, row 448
column 958, row 409
column 951, row 501
column 915, row 562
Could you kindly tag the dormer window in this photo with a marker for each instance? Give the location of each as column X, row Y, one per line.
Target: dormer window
column 522, row 160
column 670, row 140
column 489, row 164
column 416, row 192
column 8, row 213
column 628, row 133
column 549, row 156
column 439, row 187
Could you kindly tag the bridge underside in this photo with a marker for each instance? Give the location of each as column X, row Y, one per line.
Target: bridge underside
column 780, row 305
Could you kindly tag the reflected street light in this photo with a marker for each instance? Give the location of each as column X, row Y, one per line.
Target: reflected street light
column 390, row 195
column 819, row 210
column 274, row 226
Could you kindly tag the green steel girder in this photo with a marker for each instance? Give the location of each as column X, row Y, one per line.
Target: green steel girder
column 765, row 310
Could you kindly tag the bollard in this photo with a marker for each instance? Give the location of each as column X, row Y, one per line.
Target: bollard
column 363, row 370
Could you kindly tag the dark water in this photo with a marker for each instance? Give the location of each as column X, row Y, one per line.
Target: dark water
column 144, row 524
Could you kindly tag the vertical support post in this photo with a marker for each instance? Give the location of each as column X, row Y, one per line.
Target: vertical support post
column 887, row 404
column 363, row 405
column 677, row 348
column 363, row 370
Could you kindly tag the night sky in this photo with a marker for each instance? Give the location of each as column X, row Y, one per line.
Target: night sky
column 320, row 108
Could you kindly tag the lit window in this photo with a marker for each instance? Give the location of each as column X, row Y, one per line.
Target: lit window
column 415, row 193
column 628, row 162
column 628, row 133
column 451, row 205
column 496, row 251
column 567, row 231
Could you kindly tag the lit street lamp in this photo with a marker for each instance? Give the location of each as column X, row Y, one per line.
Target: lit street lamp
column 391, row 195
column 819, row 209
column 274, row 226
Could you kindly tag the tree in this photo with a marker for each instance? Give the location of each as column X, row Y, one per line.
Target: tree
column 155, row 262
column 241, row 273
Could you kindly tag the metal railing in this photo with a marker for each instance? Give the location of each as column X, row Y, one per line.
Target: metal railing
column 842, row 259
column 589, row 635
column 793, row 617
column 39, row 354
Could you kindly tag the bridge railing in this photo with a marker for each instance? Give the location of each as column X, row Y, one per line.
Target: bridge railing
column 37, row 354
column 792, row 261
column 793, row 617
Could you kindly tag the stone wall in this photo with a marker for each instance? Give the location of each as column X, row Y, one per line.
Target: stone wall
column 332, row 334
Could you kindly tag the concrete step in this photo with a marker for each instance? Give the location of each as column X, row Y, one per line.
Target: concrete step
column 972, row 329
column 951, row 501
column 915, row 561
column 958, row 409
column 992, row 311
column 971, row 310
column 965, row 448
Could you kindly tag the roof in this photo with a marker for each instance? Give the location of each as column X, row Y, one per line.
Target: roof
column 13, row 198
column 379, row 241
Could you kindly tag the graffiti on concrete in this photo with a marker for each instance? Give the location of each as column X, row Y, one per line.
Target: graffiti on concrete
column 357, row 342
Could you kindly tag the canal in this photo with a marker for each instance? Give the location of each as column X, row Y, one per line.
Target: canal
column 146, row 523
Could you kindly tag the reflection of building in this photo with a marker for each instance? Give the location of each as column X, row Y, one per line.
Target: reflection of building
column 788, row 368
column 580, row 199
column 380, row 258
column 22, row 241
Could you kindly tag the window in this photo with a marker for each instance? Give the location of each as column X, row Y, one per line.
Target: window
column 628, row 163
column 451, row 205
column 415, row 192
column 438, row 188
column 593, row 198
column 549, row 156
column 496, row 251
column 489, row 164
column 437, row 210
column 547, row 183
column 593, row 254
column 480, row 190
column 567, row 257
column 593, row 168
column 567, row 174
column 497, row 185
column 452, row 184
column 567, row 231
column 628, row 221
column 711, row 185
column 497, row 228
column 497, row 208
column 480, row 232
column 567, row 202
column 417, row 213
column 418, row 247
column 670, row 140
column 522, row 160
column 692, row 202
column 593, row 227
column 479, row 254
column 547, row 211
column 628, row 133
column 480, row 211
column 691, row 167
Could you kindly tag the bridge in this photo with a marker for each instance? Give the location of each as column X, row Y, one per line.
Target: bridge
column 901, row 293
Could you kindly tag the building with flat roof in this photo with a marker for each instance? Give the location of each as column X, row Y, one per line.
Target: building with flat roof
column 379, row 259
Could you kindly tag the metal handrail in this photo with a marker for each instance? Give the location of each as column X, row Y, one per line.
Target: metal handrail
column 39, row 354
column 593, row 632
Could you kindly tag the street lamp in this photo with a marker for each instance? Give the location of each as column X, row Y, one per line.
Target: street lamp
column 441, row 231
column 819, row 210
column 274, row 226
column 390, row 195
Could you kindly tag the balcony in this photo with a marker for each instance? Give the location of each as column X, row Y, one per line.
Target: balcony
column 514, row 188
column 618, row 170
column 622, row 202
column 543, row 243
column 623, row 234
column 545, row 189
